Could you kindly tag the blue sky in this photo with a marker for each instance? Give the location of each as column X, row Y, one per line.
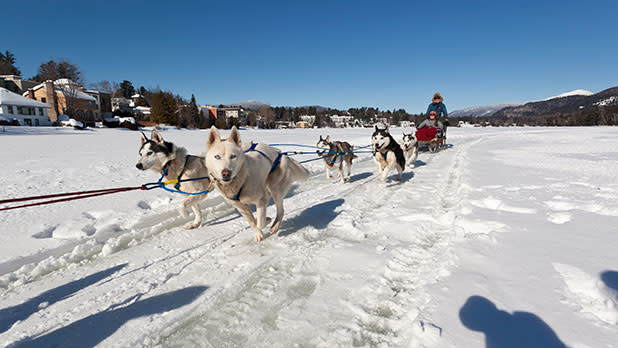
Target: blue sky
column 389, row 54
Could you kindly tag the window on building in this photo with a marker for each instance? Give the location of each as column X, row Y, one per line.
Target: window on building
column 36, row 122
column 27, row 122
column 44, row 100
column 40, row 111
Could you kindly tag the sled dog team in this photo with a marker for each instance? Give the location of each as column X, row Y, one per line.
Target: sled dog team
column 251, row 174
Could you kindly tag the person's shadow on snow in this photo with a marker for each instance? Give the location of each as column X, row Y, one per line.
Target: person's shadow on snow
column 610, row 278
column 92, row 330
column 505, row 330
column 10, row 315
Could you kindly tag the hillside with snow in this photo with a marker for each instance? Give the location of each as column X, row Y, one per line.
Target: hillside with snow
column 490, row 110
column 507, row 238
column 571, row 93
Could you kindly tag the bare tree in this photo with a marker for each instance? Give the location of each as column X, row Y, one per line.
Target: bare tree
column 103, row 86
column 268, row 115
column 61, row 69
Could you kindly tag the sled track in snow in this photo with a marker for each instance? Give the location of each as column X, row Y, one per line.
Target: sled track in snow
column 286, row 280
column 269, row 290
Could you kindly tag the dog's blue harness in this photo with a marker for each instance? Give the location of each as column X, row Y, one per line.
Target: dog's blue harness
column 178, row 180
column 236, row 197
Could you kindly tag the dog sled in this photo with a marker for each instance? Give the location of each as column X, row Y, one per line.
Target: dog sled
column 430, row 139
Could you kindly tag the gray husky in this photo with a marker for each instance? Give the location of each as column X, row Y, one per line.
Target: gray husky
column 339, row 152
column 159, row 155
column 251, row 176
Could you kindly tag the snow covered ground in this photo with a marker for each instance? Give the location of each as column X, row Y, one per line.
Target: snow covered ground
column 506, row 239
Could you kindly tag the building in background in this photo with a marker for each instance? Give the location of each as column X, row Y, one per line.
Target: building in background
column 16, row 84
column 25, row 111
column 103, row 102
column 68, row 98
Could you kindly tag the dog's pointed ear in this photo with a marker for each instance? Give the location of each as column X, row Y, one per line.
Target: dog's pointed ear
column 143, row 139
column 156, row 137
column 376, row 127
column 386, row 130
column 234, row 136
column 213, row 137
column 327, row 138
column 320, row 137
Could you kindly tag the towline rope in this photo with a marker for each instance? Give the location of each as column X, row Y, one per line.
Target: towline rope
column 71, row 196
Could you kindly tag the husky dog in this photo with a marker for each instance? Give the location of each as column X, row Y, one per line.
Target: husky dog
column 158, row 155
column 387, row 153
column 251, row 176
column 340, row 152
column 409, row 145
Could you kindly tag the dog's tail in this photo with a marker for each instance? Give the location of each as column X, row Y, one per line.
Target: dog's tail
column 298, row 172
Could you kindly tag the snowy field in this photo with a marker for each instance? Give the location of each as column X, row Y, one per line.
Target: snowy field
column 508, row 238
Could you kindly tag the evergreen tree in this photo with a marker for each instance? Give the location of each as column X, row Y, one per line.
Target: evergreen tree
column 7, row 64
column 164, row 108
column 127, row 89
column 194, row 113
column 221, row 122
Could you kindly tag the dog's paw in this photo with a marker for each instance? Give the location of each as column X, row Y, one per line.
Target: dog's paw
column 192, row 225
column 259, row 237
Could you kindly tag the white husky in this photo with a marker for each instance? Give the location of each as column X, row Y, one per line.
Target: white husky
column 162, row 157
column 409, row 145
column 251, row 176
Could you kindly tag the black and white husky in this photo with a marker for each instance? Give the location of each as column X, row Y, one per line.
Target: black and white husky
column 251, row 176
column 409, row 145
column 162, row 157
column 387, row 153
column 338, row 152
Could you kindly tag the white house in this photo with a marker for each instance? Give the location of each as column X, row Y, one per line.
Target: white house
column 26, row 111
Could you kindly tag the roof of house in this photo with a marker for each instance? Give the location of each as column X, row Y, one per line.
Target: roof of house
column 59, row 85
column 9, row 98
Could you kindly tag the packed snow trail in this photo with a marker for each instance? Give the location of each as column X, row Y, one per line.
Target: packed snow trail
column 262, row 286
column 359, row 264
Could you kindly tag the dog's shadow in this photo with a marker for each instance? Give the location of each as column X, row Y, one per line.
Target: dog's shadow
column 317, row 216
column 419, row 163
column 405, row 177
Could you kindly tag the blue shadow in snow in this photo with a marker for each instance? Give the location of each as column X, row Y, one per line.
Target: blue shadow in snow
column 318, row 216
column 359, row 176
column 505, row 330
column 90, row 331
column 10, row 315
column 610, row 278
column 419, row 163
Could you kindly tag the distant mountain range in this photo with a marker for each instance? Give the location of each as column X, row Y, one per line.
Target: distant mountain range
column 481, row 111
column 561, row 105
column 255, row 105
column 564, row 103
column 492, row 110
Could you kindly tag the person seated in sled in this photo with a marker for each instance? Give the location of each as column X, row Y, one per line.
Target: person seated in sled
column 438, row 106
column 429, row 128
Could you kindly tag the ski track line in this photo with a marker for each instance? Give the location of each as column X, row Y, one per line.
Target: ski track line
column 257, row 288
column 256, row 299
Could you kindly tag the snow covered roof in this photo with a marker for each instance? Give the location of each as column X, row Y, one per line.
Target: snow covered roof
column 59, row 86
column 9, row 98
column 136, row 95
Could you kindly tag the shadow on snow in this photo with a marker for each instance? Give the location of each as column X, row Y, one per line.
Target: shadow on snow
column 90, row 331
column 10, row 315
column 318, row 216
column 610, row 278
column 505, row 330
